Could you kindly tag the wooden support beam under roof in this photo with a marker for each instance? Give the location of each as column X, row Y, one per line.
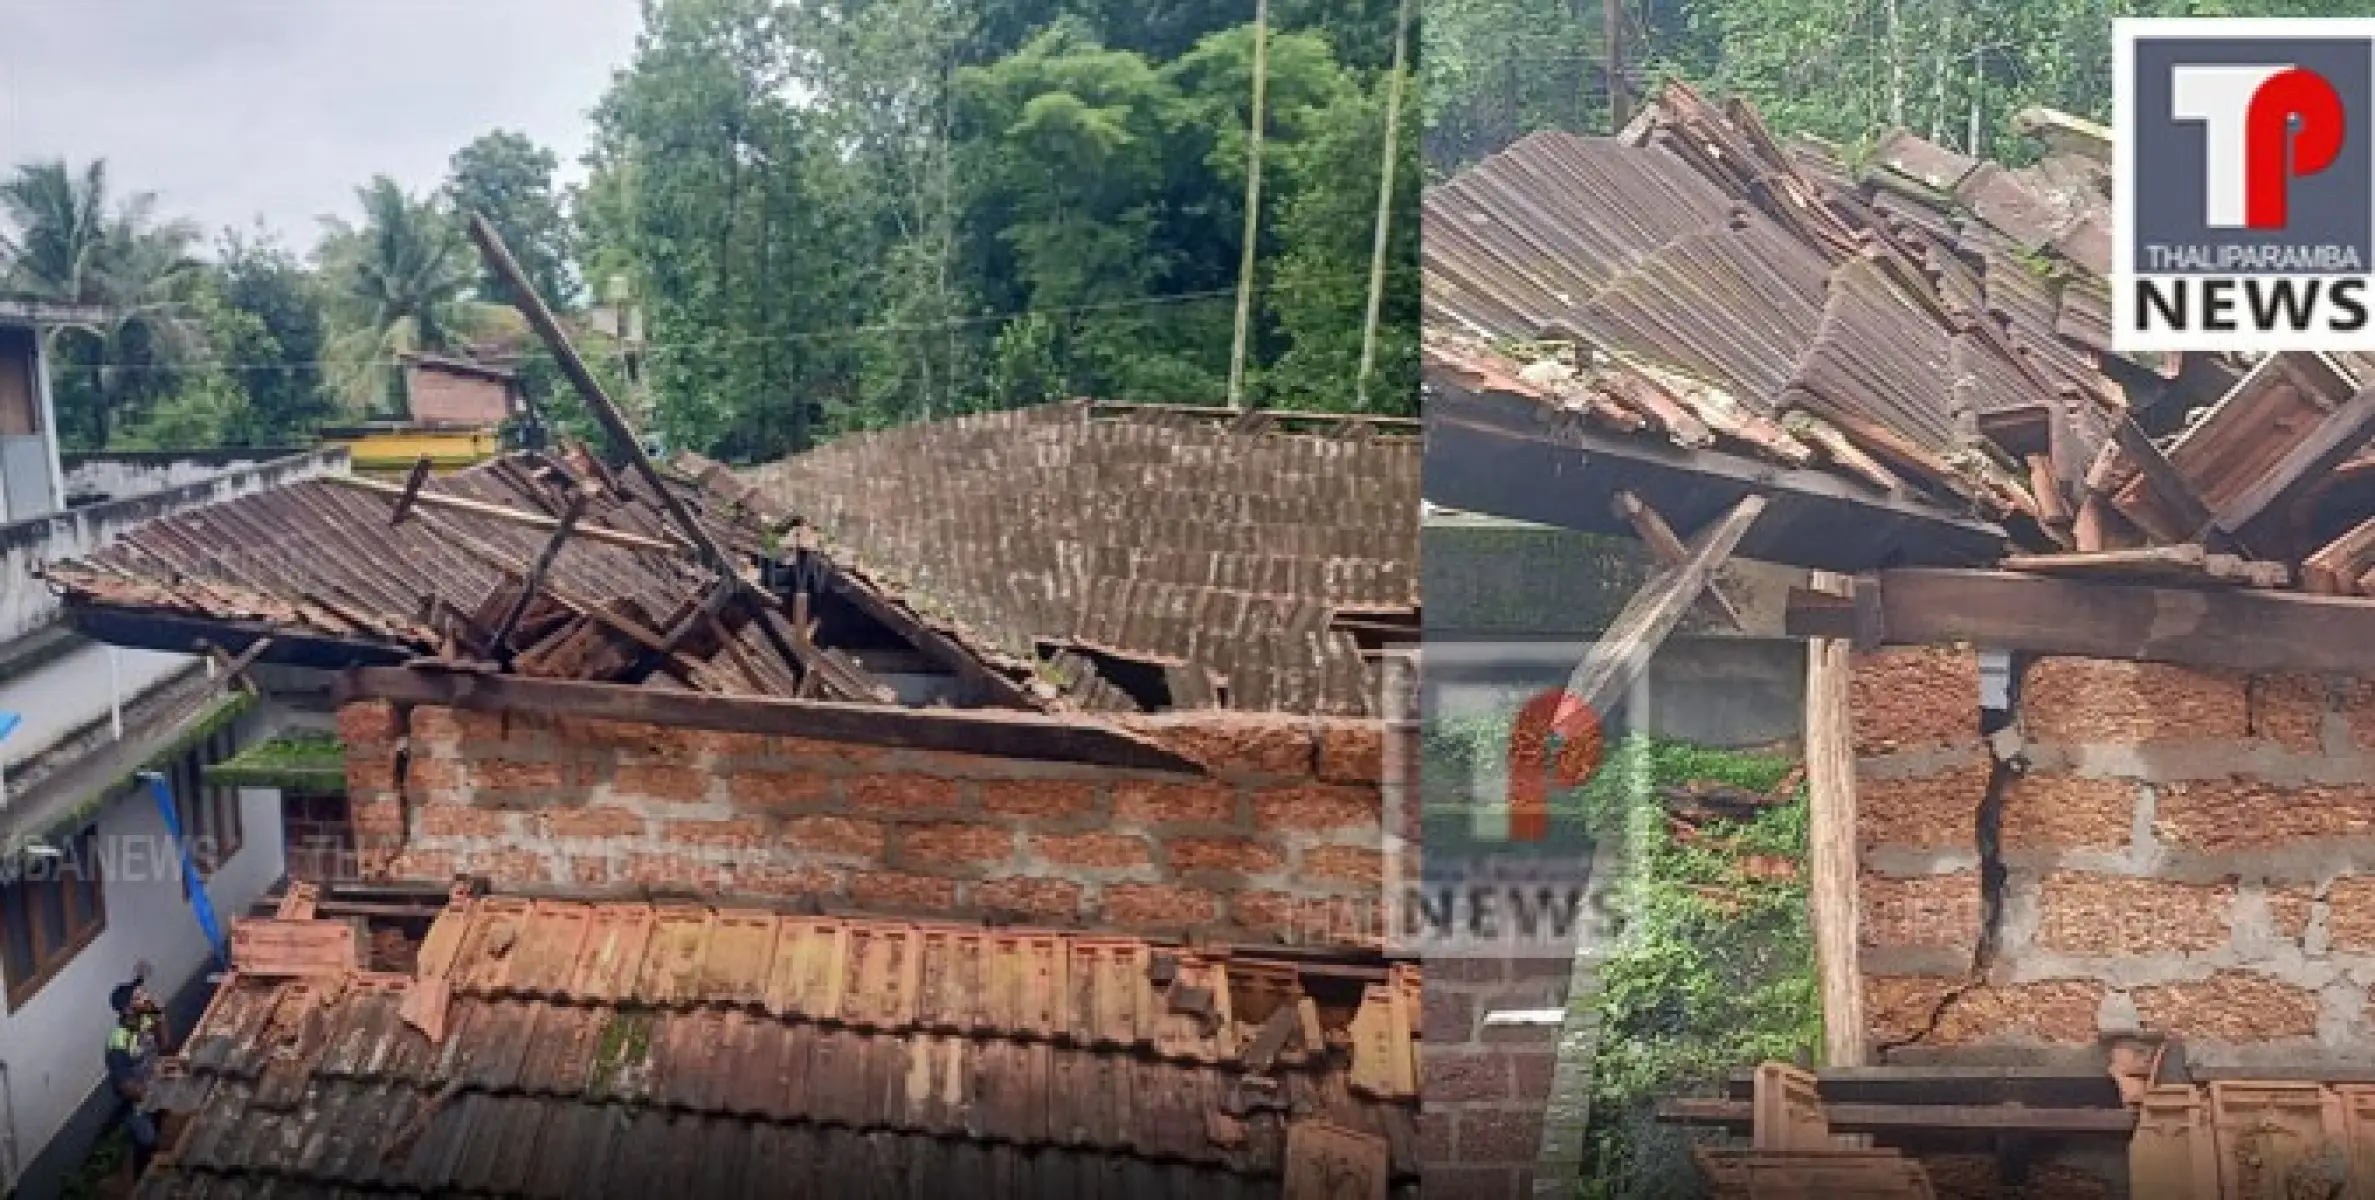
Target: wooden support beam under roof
column 1001, row 734
column 2238, row 629
column 1619, row 656
column 1903, row 1119
column 1668, row 549
column 1505, row 456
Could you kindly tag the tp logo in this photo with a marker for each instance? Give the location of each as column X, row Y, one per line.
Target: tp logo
column 2262, row 126
column 2245, row 184
column 1531, row 769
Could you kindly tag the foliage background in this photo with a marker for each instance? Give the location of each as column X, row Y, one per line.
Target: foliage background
column 833, row 214
column 1954, row 71
column 1714, row 969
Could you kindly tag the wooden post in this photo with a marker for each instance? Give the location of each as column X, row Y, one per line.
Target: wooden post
column 1830, row 799
column 621, row 433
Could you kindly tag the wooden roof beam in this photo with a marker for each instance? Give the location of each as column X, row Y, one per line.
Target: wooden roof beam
column 2243, row 629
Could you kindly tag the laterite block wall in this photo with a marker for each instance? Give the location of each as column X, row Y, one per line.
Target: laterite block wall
column 2188, row 851
column 1283, row 839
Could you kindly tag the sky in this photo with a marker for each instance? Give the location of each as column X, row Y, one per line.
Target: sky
column 234, row 110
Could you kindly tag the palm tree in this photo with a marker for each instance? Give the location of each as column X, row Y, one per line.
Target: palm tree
column 62, row 241
column 398, row 284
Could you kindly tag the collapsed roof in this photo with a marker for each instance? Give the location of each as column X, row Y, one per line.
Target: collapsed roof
column 1068, row 557
column 1913, row 348
column 1215, row 558
column 554, row 1048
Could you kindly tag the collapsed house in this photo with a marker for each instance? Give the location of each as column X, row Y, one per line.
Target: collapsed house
column 1017, row 781
column 2085, row 727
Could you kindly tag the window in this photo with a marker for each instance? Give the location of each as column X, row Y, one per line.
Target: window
column 50, row 909
column 319, row 833
column 209, row 815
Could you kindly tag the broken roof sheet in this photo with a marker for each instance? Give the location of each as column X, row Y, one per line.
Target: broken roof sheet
column 1930, row 326
column 1211, row 555
column 561, row 1049
column 342, row 572
column 1714, row 290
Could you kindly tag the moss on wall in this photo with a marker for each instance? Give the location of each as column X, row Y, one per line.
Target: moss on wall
column 313, row 762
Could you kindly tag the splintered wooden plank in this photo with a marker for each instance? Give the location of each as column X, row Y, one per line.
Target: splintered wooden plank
column 1326, row 1161
column 2186, row 562
column 1670, row 552
column 2334, row 569
column 1623, row 652
column 268, row 947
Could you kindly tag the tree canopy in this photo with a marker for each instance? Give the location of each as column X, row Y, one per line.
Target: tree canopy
column 825, row 217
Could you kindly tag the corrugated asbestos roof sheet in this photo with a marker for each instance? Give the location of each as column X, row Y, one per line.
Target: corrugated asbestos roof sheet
column 1705, row 284
column 1218, row 551
column 588, row 1050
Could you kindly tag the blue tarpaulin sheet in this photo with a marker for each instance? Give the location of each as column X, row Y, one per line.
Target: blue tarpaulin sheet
column 199, row 902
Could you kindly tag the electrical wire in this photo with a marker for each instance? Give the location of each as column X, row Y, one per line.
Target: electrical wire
column 814, row 335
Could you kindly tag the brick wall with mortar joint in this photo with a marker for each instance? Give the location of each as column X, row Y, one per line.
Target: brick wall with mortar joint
column 1281, row 841
column 1486, row 1090
column 2189, row 851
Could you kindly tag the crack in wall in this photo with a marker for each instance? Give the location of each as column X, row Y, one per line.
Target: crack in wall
column 2007, row 763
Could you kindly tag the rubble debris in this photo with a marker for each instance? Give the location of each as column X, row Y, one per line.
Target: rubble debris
column 1931, row 328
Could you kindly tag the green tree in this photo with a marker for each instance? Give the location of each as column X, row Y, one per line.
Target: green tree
column 509, row 179
column 397, row 284
column 282, row 349
column 64, row 238
column 742, row 224
column 1327, row 232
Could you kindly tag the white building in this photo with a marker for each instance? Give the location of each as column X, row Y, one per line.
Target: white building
column 89, row 882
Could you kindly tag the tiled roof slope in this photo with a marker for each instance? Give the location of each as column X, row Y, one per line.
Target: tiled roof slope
column 324, row 564
column 1915, row 323
column 1214, row 547
column 588, row 1050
